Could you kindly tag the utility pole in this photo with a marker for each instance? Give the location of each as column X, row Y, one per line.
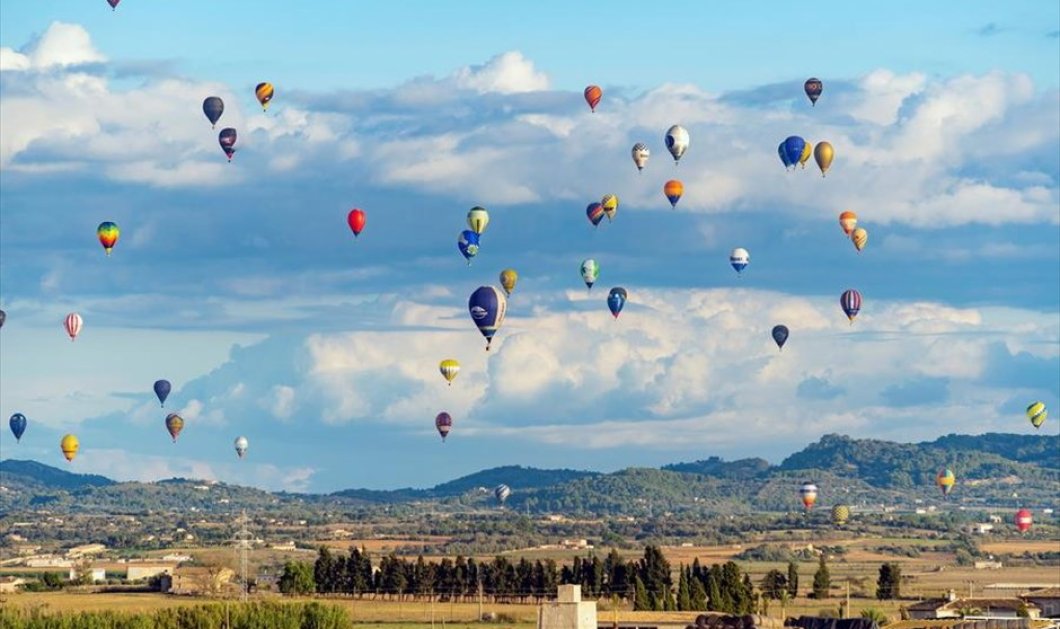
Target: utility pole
column 242, row 541
column 480, row 598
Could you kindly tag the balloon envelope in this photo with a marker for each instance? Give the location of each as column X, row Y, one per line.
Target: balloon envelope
column 468, row 244
column 590, row 270
column 595, row 213
column 840, row 514
column 3, row 317
column 793, row 146
column 174, row 424
column 449, row 368
column 823, row 154
column 1024, row 520
column 69, row 446
column 241, row 445
column 73, row 324
column 1037, row 414
column 616, row 300
column 213, row 107
column 356, row 219
column 850, row 301
column 162, row 389
column 502, row 492
column 444, row 423
column 848, row 221
column 640, row 154
column 808, row 493
column 673, row 190
column 813, row 88
column 780, row 335
column 477, row 219
column 860, row 237
column 264, row 93
column 18, row 425
column 487, row 306
column 593, row 94
column 946, row 479
column 610, row 205
column 677, row 141
column 108, row 234
column 227, row 140
column 739, row 258
column 508, row 279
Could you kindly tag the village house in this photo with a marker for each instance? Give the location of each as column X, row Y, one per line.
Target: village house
column 953, row 607
column 1047, row 599
column 10, row 584
column 197, row 581
column 86, row 549
column 95, row 575
column 141, row 572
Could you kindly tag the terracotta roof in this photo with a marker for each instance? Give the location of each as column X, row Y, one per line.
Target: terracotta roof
column 991, row 603
column 929, row 605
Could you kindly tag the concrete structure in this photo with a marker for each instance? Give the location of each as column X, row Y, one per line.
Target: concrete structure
column 1047, row 599
column 568, row 611
column 10, row 584
column 197, row 581
column 95, row 574
column 982, row 608
column 140, row 572
column 86, row 549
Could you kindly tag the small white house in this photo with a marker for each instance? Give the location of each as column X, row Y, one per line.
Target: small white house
column 95, row 574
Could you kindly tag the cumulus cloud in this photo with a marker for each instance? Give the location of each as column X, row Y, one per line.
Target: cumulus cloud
column 61, row 45
column 507, row 73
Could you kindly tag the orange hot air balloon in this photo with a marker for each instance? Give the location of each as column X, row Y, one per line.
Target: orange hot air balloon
column 673, row 191
column 264, row 93
column 593, row 94
column 848, row 221
column 69, row 445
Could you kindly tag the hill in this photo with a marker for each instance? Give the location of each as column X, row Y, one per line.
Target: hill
column 15, row 473
column 514, row 475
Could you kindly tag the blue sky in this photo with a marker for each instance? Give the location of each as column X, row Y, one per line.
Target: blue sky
column 241, row 284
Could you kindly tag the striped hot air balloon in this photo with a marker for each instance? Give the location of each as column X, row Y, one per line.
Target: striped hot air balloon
column 264, row 93
column 946, row 479
column 1024, row 520
column 808, row 493
column 73, row 324
column 501, row 492
column 1037, row 413
column 449, row 367
column 593, row 94
column 850, row 301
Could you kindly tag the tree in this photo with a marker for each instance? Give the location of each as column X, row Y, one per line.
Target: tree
column 822, row 580
column 875, row 615
column 888, row 585
column 641, row 602
column 684, row 593
column 699, row 596
column 773, row 584
column 297, row 578
column 793, row 579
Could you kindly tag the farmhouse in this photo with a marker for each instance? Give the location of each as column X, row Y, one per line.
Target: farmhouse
column 95, row 575
column 86, row 549
column 992, row 608
column 1048, row 599
column 140, row 572
column 197, row 581
column 10, row 584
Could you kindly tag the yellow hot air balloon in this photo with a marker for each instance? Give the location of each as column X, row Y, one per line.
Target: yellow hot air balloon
column 840, row 514
column 508, row 279
column 1037, row 413
column 477, row 219
column 69, row 446
column 807, row 151
column 264, row 94
column 449, row 368
column 610, row 203
column 823, row 154
column 860, row 237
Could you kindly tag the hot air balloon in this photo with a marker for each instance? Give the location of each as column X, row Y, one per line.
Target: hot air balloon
column 1024, row 520
column 449, row 367
column 356, row 219
column 860, row 237
column 610, row 204
column 673, row 190
column 593, row 94
column 108, row 234
column 3, row 317
column 508, row 279
column 780, row 335
column 264, row 93
column 213, row 107
column 850, row 301
column 640, row 155
column 501, row 492
column 174, row 424
column 739, row 258
column 595, row 213
column 590, row 270
column 227, row 140
column 69, row 445
column 241, row 445
column 73, row 325
column 807, row 151
column 162, row 389
column 808, row 493
column 487, row 306
column 823, row 154
column 18, row 425
column 840, row 514
column 477, row 219
column 783, row 156
column 677, row 142
column 792, row 146
column 1037, row 413
column 813, row 88
column 946, row 479
column 113, row 4
column 616, row 300
column 848, row 221
column 468, row 245
column 444, row 423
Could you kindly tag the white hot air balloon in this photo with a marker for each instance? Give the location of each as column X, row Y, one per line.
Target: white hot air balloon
column 241, row 446
column 677, row 141
column 640, row 155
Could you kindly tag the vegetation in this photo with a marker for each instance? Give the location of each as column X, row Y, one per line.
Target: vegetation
column 888, row 586
column 263, row 615
column 822, row 580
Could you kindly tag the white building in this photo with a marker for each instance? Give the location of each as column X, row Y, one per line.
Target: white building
column 568, row 611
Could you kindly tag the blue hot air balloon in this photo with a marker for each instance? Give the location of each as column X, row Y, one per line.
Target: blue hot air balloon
column 793, row 147
column 783, row 156
column 162, row 389
column 487, row 306
column 213, row 107
column 468, row 244
column 18, row 425
column 780, row 335
column 616, row 299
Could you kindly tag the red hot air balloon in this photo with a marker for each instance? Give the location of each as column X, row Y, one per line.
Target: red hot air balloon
column 1024, row 520
column 444, row 423
column 355, row 219
column 593, row 94
column 113, row 4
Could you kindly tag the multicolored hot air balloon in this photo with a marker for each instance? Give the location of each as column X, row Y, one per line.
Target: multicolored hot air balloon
column 616, row 300
column 468, row 245
column 792, row 147
column 739, row 258
column 946, row 479
column 501, row 492
column 113, row 4
column 677, row 142
column 640, row 154
column 487, row 306
column 508, row 279
column 227, row 140
column 860, row 237
column 593, row 94
column 808, row 493
column 356, row 219
column 241, row 445
column 673, row 190
column 449, row 367
column 850, row 301
column 590, row 270
column 69, row 445
column 477, row 219
column 213, row 107
column 444, row 423
column 1024, row 520
column 1037, row 413
column 840, row 515
column 813, row 88
column 823, row 154
column 108, row 234
column 73, row 324
column 848, row 221
column 780, row 335
column 264, row 93
column 807, row 151
column 162, row 389
column 174, row 424
column 610, row 204
column 18, row 425
column 595, row 213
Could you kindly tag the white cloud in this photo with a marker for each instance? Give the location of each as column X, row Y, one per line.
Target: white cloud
column 61, row 45
column 507, row 73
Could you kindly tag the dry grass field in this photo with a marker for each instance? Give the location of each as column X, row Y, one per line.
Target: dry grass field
column 1017, row 547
